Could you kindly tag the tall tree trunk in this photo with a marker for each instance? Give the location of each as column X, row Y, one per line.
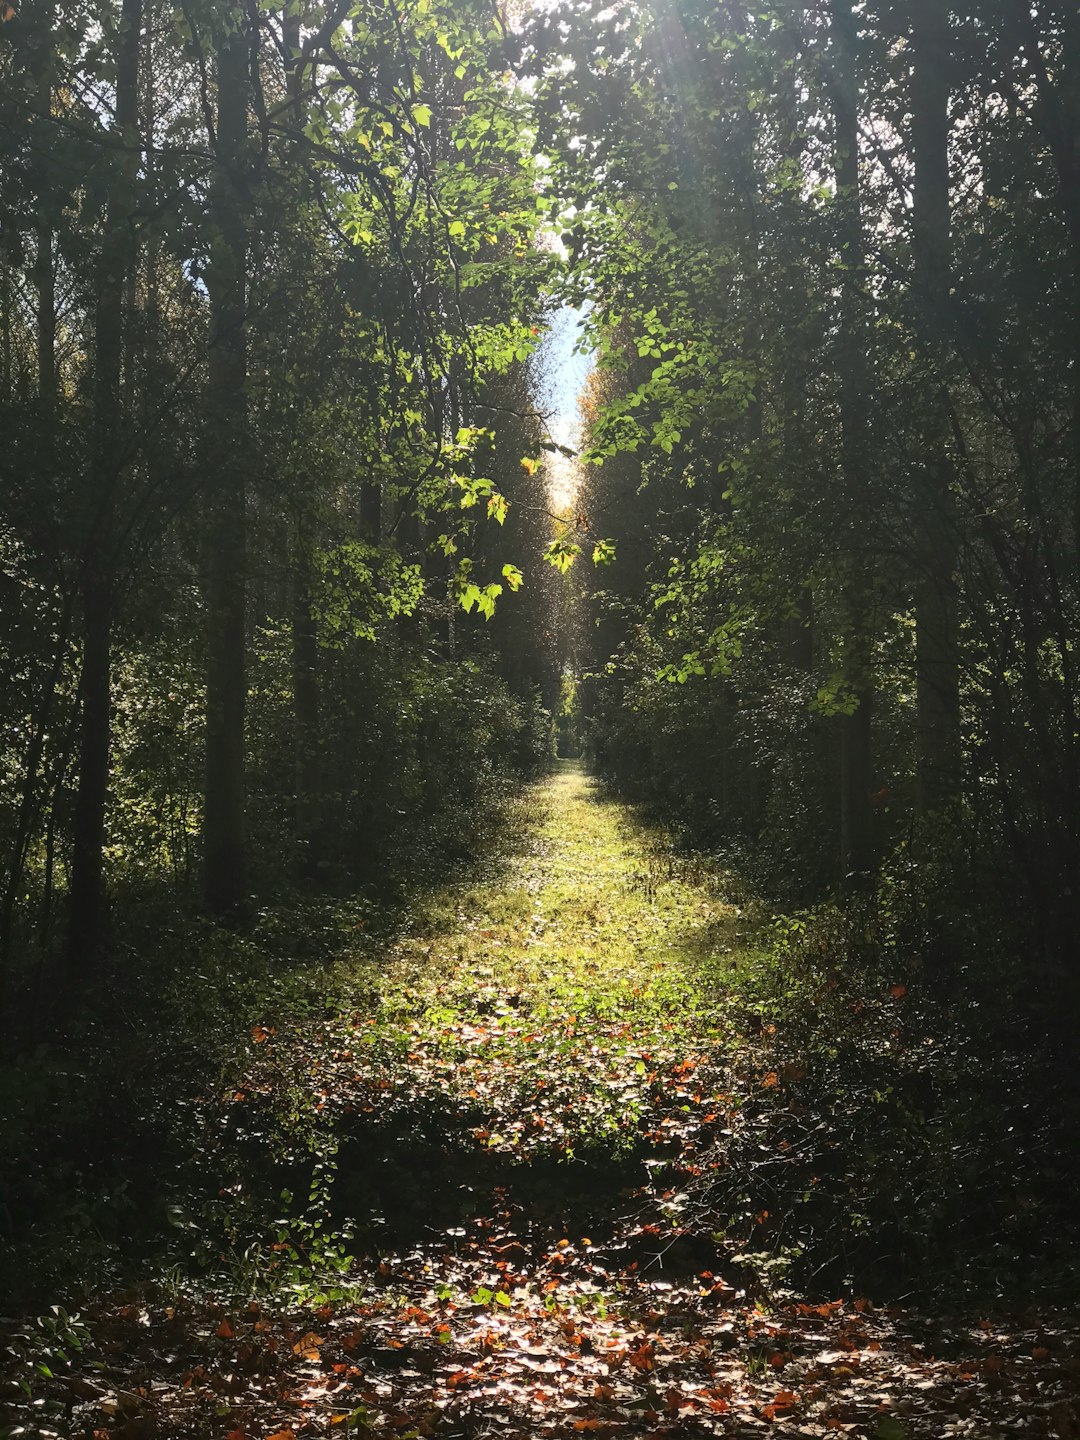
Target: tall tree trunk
column 86, row 906
column 937, row 641
column 86, row 927
column 224, row 821
column 44, row 265
column 1067, row 155
column 45, row 295
column 856, row 729
column 371, row 511
column 307, row 693
column 307, row 706
column 1058, row 90
column 6, row 308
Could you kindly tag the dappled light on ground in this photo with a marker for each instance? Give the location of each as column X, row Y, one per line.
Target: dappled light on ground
column 517, row 1126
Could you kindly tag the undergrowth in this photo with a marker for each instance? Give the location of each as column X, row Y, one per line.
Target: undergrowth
column 256, row 1105
column 112, row 1122
column 586, row 1111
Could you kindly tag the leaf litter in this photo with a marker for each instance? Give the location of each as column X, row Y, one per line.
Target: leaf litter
column 522, row 1113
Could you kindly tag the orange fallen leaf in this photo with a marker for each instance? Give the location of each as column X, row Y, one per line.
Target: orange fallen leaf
column 308, row 1346
column 642, row 1357
column 782, row 1401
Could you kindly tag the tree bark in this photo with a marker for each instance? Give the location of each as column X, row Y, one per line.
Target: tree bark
column 1059, row 119
column 224, row 824
column 86, row 917
column 307, row 708
column 856, row 729
column 44, row 265
column 45, row 294
column 936, row 622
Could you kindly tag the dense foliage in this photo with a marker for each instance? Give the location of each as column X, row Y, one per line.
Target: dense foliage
column 830, row 260
column 268, row 277
column 331, row 999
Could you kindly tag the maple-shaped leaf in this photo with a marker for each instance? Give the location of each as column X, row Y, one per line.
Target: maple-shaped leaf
column 643, row 1358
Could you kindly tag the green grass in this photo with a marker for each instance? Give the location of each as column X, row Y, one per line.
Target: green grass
column 547, row 1003
column 576, row 1111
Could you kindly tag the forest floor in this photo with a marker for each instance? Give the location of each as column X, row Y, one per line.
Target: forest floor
column 531, row 1105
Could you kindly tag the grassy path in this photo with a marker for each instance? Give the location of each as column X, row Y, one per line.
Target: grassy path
column 529, row 1109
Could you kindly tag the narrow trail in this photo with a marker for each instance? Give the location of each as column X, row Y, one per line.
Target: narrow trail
column 527, row 1116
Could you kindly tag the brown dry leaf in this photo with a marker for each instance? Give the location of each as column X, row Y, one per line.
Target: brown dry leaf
column 643, row 1357
column 308, row 1346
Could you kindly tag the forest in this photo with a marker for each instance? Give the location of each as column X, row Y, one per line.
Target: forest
column 539, row 719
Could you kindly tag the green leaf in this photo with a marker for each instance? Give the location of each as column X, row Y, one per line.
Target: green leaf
column 422, row 115
column 562, row 553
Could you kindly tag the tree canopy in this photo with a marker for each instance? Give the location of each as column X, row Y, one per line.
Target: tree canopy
column 652, row 812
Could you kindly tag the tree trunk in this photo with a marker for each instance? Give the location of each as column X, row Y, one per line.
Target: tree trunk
column 307, row 696
column 86, row 919
column 306, row 709
column 936, row 650
column 86, row 905
column 856, row 761
column 371, row 511
column 1068, row 164
column 6, row 308
column 856, row 729
column 44, row 266
column 45, row 291
column 1059, row 118
column 224, row 822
